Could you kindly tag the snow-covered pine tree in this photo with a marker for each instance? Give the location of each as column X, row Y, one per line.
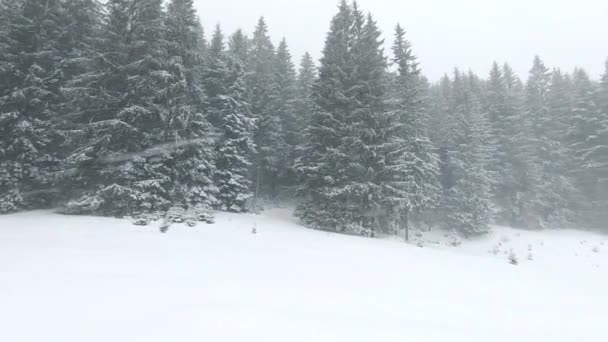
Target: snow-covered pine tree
column 307, row 76
column 79, row 45
column 263, row 95
column 600, row 153
column 343, row 161
column 553, row 191
column 559, row 102
column 304, row 105
column 412, row 167
column 468, row 180
column 229, row 113
column 29, row 99
column 587, row 140
column 285, row 77
column 369, row 134
column 121, row 164
column 239, row 46
column 515, row 183
column 192, row 157
column 324, row 163
column 494, row 100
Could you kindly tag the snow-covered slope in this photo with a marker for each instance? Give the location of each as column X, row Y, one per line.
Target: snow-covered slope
column 74, row 279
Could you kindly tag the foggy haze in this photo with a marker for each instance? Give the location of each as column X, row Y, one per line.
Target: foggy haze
column 444, row 33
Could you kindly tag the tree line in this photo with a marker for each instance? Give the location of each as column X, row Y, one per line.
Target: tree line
column 125, row 108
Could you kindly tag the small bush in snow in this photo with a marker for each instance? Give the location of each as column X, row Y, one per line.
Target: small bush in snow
column 154, row 217
column 513, row 258
column 357, row 229
column 495, row 250
column 530, row 256
column 164, row 226
column 455, row 241
column 176, row 215
column 596, row 249
column 204, row 215
column 420, row 243
column 140, row 222
column 191, row 223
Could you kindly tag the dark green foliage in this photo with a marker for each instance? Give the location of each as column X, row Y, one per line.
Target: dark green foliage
column 467, row 178
column 29, row 99
column 263, row 97
column 228, row 111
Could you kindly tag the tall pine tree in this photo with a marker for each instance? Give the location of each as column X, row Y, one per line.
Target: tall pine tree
column 228, row 111
column 286, row 110
column 119, row 166
column 551, row 202
column 29, row 101
column 467, row 178
column 412, row 164
column 263, row 98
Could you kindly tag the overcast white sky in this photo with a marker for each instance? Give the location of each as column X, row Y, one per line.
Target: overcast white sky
column 444, row 33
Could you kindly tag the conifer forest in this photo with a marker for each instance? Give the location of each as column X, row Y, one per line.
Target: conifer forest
column 129, row 108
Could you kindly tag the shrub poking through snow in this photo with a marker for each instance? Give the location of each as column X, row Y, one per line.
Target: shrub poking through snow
column 495, row 250
column 140, row 221
column 455, row 241
column 596, row 249
column 203, row 215
column 358, row 229
column 513, row 258
column 176, row 215
column 191, row 223
column 530, row 256
column 164, row 226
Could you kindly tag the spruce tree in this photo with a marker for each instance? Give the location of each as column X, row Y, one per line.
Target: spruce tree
column 263, row 98
column 467, row 179
column 122, row 166
column 587, row 139
column 324, row 163
column 516, row 165
column 307, row 75
column 285, row 77
column 192, row 157
column 239, row 47
column 553, row 191
column 304, row 105
column 412, row 164
column 600, row 155
column 29, row 101
column 79, row 47
column 228, row 111
column 349, row 137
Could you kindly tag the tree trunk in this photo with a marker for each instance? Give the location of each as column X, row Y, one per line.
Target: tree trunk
column 406, row 225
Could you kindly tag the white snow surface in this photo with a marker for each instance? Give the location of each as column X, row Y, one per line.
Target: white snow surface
column 75, row 279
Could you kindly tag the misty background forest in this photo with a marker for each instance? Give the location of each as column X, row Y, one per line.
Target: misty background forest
column 128, row 108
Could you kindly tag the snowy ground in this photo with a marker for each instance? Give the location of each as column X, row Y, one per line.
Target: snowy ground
column 74, row 279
